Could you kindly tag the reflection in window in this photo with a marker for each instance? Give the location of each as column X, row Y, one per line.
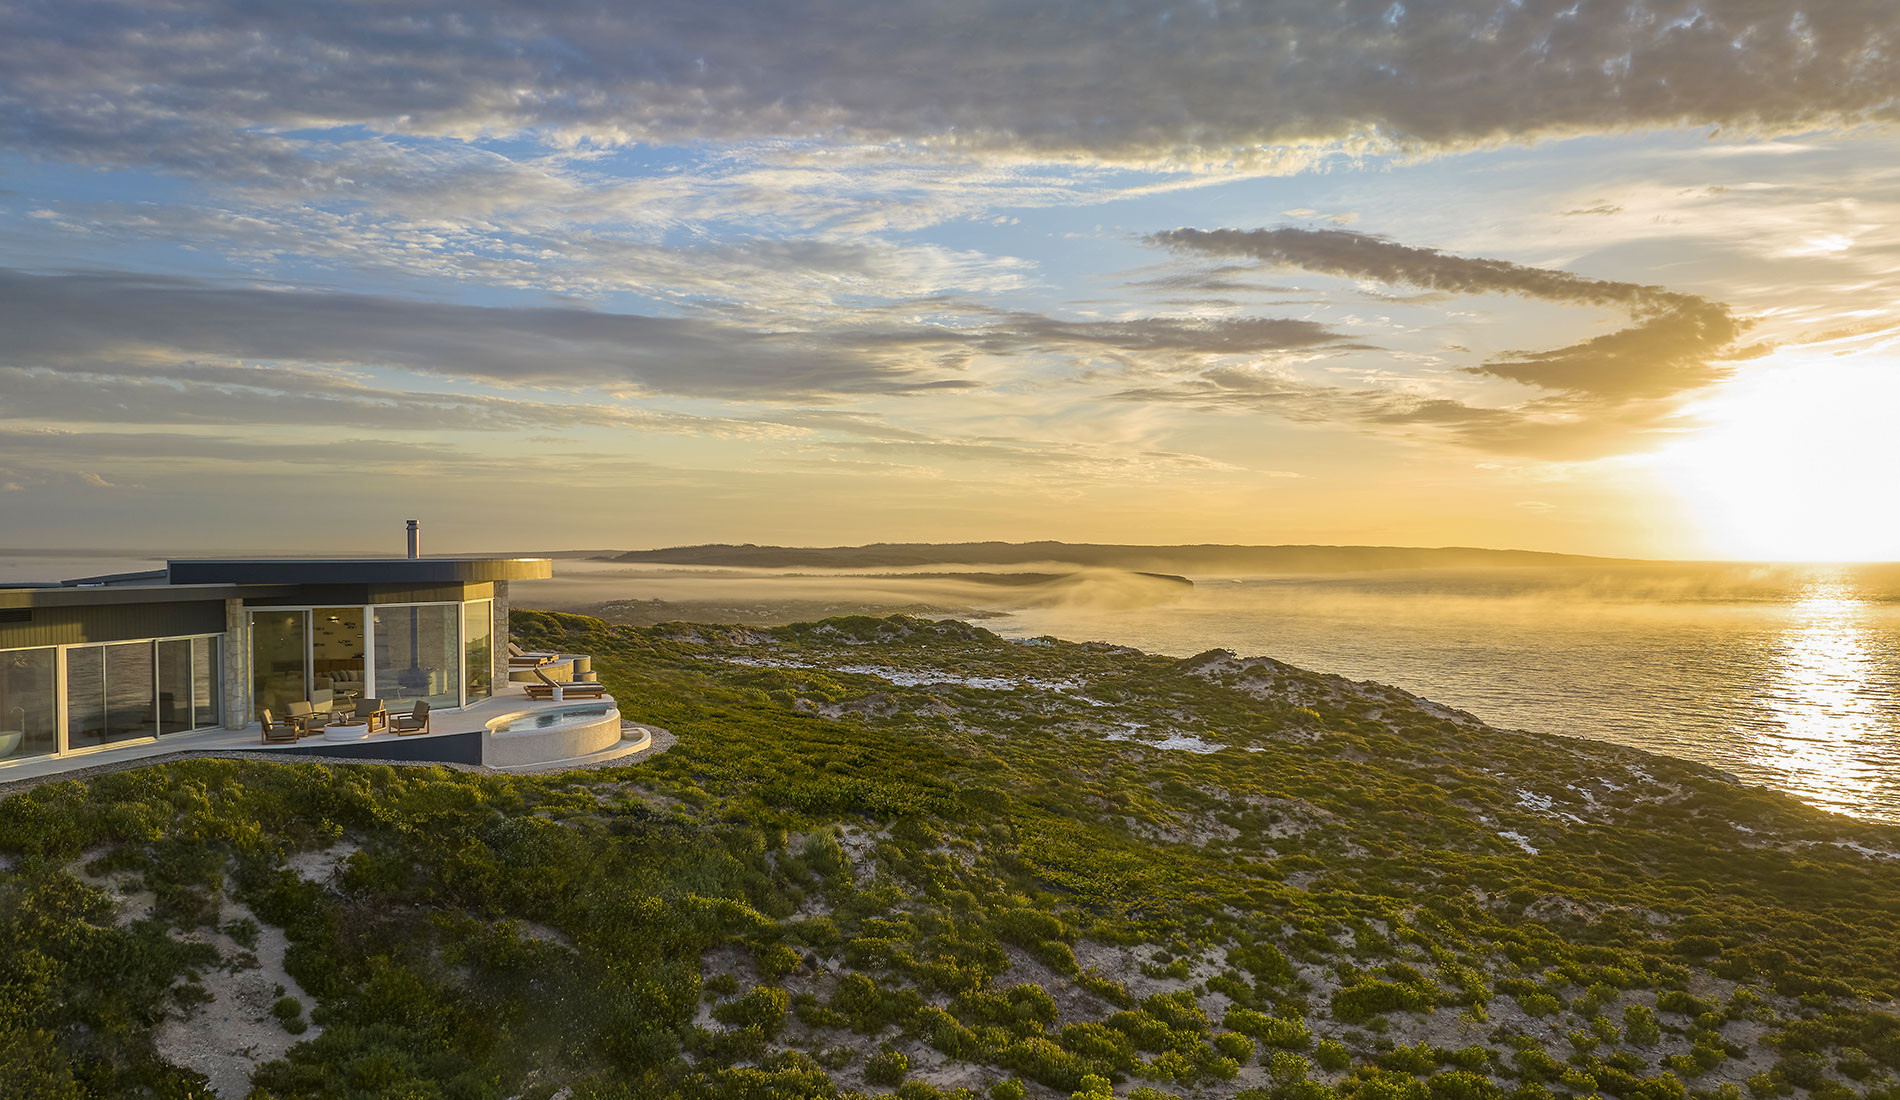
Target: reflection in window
column 418, row 654
column 85, row 697
column 174, row 685
column 480, row 656
column 277, row 660
column 130, row 687
column 207, row 682
column 29, row 708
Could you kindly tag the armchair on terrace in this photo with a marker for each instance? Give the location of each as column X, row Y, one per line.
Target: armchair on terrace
column 304, row 717
column 416, row 721
column 276, row 733
column 370, row 712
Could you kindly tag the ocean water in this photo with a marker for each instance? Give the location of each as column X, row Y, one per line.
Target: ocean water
column 1785, row 676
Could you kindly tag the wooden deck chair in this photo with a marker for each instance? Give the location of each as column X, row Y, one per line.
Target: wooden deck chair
column 520, row 658
column 581, row 689
column 416, row 721
column 276, row 733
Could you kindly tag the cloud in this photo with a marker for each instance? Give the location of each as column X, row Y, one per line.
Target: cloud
column 1602, row 395
column 99, row 321
column 229, row 81
column 1677, row 344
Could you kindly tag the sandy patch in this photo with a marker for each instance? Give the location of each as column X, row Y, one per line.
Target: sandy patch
column 323, row 864
column 227, row 1038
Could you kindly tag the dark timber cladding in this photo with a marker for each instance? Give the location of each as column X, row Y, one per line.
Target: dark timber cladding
column 412, row 572
column 351, row 595
column 77, row 616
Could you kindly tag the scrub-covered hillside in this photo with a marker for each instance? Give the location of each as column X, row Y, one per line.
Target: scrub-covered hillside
column 893, row 856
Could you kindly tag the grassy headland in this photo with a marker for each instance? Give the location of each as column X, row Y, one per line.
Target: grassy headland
column 897, row 856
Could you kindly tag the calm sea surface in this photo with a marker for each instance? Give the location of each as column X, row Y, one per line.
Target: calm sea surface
column 1786, row 677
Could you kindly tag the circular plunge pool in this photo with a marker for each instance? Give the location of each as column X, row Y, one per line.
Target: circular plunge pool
column 551, row 733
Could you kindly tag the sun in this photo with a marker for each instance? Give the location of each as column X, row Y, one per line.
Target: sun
column 1798, row 460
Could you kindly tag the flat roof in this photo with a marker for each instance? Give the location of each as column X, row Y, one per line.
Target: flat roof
column 221, row 578
column 458, row 570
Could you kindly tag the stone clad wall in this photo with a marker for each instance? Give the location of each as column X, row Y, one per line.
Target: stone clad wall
column 237, row 667
column 500, row 644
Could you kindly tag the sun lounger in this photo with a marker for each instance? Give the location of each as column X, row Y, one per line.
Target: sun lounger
column 520, row 658
column 551, row 689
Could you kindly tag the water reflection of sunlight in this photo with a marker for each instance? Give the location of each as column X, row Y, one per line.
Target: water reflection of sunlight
column 1822, row 696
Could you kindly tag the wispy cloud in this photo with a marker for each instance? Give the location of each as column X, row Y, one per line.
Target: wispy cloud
column 1604, row 393
column 86, row 320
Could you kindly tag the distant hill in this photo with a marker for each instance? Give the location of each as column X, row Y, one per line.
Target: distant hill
column 1203, row 558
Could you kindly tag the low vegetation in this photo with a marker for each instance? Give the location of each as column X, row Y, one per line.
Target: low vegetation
column 894, row 856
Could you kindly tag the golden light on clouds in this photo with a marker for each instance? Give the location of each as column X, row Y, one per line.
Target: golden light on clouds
column 1796, row 462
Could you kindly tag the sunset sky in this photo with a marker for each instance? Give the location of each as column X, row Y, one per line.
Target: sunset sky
column 1601, row 278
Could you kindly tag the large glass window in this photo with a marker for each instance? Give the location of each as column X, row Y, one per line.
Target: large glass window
column 277, row 660
column 336, row 649
column 207, row 682
column 111, row 693
column 174, row 685
column 130, row 691
column 29, row 706
column 85, row 697
column 479, row 653
column 418, row 654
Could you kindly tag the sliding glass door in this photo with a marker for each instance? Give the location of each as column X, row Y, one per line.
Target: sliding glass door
column 174, row 685
column 29, row 702
column 419, row 654
column 279, row 648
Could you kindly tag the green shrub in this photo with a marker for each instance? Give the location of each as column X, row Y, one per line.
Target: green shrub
column 1332, row 1056
column 1461, row 1084
column 762, row 1009
column 775, row 962
column 1369, row 997
column 1675, row 1000
column 1418, row 1061
column 1235, row 1046
column 886, row 1067
column 1639, row 1025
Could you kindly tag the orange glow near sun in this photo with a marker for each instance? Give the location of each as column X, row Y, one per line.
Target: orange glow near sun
column 1798, row 461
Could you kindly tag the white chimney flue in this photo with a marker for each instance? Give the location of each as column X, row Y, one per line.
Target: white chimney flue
column 415, row 547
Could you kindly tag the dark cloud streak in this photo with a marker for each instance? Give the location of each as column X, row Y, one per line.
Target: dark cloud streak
column 152, row 83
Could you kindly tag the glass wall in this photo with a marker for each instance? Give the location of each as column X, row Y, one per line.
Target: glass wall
column 479, row 652
column 85, row 696
column 174, row 685
column 131, row 706
column 336, row 650
column 118, row 691
column 207, row 682
column 278, row 644
column 419, row 655
column 29, row 704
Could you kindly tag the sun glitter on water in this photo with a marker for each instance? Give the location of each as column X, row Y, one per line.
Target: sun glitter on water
column 1822, row 694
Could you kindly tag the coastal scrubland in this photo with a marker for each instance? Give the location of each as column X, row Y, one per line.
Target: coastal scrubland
column 892, row 856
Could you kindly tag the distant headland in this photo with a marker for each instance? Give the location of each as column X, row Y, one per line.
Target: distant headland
column 1200, row 558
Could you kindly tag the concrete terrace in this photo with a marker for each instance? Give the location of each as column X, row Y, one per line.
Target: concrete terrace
column 459, row 737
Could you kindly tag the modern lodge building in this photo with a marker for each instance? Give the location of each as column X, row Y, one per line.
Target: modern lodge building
column 188, row 657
